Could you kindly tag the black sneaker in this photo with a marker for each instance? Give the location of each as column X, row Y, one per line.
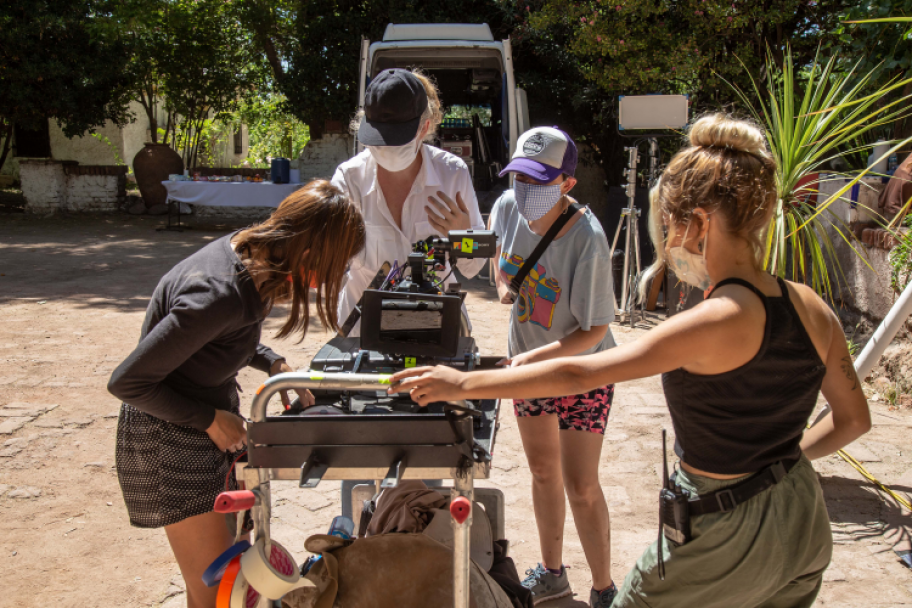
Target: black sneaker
column 546, row 585
column 603, row 599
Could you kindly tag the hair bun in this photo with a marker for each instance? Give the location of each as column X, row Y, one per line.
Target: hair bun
column 721, row 131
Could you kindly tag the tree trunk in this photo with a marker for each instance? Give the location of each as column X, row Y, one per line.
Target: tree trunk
column 6, row 132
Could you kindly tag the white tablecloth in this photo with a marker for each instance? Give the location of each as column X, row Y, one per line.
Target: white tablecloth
column 229, row 194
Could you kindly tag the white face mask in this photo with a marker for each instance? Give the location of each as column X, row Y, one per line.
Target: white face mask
column 688, row 266
column 396, row 158
column 534, row 201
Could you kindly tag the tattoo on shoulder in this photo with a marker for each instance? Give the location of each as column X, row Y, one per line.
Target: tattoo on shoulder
column 849, row 369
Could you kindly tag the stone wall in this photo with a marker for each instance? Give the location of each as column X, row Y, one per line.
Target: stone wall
column 865, row 296
column 50, row 186
column 320, row 157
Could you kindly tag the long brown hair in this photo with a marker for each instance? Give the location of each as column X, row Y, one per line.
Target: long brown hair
column 726, row 169
column 311, row 238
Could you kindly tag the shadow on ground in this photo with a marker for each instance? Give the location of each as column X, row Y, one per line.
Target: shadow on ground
column 112, row 261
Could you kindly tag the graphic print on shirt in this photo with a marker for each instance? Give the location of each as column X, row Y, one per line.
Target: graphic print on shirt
column 537, row 296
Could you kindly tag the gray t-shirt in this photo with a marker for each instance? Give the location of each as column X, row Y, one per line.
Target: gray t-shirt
column 569, row 288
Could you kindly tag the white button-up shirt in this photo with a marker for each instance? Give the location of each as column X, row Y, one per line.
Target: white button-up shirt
column 386, row 242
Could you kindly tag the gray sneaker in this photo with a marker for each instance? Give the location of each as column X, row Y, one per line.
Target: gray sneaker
column 603, row 599
column 545, row 585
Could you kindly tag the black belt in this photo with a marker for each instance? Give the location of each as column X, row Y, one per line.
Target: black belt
column 726, row 499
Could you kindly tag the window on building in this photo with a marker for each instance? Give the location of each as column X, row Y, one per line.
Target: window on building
column 32, row 143
column 239, row 140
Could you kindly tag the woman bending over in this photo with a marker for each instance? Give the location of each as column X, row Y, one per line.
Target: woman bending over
column 180, row 421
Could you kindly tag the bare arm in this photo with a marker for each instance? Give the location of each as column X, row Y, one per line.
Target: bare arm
column 849, row 417
column 684, row 340
column 574, row 343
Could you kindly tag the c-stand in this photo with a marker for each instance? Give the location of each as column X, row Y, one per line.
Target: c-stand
column 629, row 221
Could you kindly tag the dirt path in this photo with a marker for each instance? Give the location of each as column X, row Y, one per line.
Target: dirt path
column 73, row 294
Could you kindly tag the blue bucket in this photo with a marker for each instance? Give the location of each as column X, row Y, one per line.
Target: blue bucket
column 281, row 170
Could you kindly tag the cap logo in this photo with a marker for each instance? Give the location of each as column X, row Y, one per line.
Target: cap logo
column 534, row 145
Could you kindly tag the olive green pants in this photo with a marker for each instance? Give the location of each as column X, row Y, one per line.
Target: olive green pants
column 769, row 552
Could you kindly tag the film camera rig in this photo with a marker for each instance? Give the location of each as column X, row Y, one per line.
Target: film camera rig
column 356, row 430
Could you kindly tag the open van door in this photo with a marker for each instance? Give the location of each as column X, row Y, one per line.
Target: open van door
column 362, row 83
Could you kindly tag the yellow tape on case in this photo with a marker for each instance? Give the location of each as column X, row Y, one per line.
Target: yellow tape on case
column 410, row 362
column 384, row 379
column 468, row 245
column 316, row 376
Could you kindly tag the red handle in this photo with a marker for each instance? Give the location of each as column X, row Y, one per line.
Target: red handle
column 460, row 509
column 232, row 502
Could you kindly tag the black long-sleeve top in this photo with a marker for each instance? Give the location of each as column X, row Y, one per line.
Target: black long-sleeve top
column 202, row 326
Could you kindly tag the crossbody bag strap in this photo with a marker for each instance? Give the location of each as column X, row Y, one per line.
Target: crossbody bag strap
column 543, row 244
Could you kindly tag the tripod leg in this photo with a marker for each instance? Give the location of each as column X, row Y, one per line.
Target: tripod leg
column 625, row 288
column 638, row 273
column 617, row 234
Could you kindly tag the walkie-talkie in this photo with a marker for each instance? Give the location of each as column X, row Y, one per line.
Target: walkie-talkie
column 673, row 504
column 674, row 514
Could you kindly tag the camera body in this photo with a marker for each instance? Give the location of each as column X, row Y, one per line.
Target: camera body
column 412, row 315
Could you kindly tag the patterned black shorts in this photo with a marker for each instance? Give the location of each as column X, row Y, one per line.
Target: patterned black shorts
column 167, row 472
column 586, row 412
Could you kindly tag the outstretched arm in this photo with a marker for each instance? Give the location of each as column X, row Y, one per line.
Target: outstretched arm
column 684, row 340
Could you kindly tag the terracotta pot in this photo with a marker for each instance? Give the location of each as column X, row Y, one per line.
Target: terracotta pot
column 152, row 165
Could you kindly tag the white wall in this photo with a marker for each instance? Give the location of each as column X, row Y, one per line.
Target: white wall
column 320, row 157
column 88, row 150
column 135, row 134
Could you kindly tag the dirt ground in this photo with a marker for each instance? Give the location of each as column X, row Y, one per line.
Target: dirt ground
column 72, row 298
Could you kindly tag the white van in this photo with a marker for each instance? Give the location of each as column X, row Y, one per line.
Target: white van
column 484, row 111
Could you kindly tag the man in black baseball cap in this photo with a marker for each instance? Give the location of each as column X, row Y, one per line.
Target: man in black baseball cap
column 394, row 103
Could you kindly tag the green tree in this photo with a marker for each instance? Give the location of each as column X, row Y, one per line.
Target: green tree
column 883, row 47
column 206, row 66
column 313, row 46
column 60, row 59
column 575, row 58
column 272, row 131
column 142, row 23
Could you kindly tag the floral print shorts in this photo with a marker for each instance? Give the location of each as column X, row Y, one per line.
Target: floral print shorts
column 586, row 412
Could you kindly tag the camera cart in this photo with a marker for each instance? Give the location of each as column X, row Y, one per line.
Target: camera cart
column 451, row 441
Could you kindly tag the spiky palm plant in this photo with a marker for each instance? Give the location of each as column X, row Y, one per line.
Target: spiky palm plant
column 808, row 124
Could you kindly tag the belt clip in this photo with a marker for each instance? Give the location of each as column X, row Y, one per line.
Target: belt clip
column 731, row 498
column 778, row 471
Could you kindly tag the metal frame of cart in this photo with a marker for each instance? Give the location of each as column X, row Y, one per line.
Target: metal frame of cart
column 309, row 449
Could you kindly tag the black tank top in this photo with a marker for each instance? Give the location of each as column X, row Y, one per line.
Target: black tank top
column 743, row 420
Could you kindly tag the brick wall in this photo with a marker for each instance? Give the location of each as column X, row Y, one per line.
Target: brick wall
column 50, row 186
column 43, row 185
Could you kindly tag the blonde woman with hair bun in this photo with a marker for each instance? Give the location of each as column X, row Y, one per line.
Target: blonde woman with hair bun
column 741, row 372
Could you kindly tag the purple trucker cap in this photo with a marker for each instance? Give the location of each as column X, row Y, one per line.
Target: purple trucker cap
column 543, row 153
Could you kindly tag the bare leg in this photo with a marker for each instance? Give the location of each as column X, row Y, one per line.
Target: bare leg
column 580, row 453
column 196, row 542
column 542, row 446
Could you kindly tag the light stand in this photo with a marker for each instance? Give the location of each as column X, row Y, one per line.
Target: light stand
column 630, row 219
column 630, row 222
column 660, row 116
